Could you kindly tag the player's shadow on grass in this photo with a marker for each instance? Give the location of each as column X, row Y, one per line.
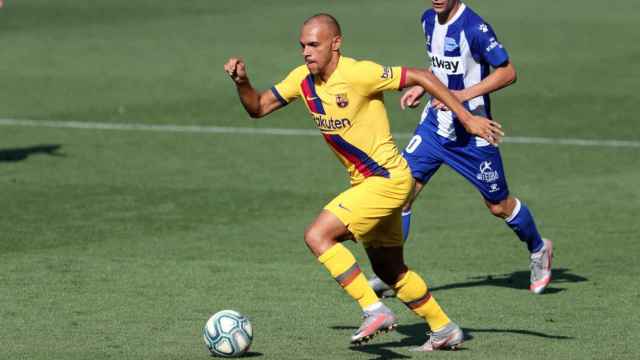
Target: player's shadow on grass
column 19, row 154
column 415, row 336
column 516, row 280
column 415, row 333
column 251, row 354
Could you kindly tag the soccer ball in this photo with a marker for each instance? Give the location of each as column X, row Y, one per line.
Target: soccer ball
column 228, row 334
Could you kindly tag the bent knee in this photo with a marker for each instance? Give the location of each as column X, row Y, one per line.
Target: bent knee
column 498, row 210
column 318, row 241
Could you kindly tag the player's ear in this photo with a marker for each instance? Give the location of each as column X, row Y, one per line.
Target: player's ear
column 336, row 43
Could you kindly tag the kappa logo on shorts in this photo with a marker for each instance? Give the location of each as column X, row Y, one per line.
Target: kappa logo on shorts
column 487, row 174
column 485, row 166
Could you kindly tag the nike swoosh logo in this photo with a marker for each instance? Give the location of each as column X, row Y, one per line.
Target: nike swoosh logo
column 443, row 343
column 342, row 207
column 312, row 98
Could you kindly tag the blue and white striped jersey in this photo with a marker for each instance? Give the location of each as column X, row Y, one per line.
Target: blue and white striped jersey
column 461, row 54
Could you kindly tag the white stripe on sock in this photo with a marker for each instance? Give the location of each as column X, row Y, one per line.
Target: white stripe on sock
column 373, row 307
column 515, row 212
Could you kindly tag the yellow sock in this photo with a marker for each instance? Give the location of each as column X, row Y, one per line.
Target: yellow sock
column 413, row 292
column 344, row 268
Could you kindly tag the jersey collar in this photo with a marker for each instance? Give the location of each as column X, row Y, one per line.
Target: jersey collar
column 455, row 17
column 333, row 74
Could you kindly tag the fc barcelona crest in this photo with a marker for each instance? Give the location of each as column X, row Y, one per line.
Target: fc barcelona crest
column 342, row 101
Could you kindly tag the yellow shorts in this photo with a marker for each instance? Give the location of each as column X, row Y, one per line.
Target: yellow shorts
column 372, row 210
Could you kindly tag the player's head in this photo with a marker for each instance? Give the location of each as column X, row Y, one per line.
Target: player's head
column 443, row 6
column 320, row 39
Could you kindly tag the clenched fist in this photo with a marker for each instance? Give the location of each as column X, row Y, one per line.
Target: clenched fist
column 237, row 70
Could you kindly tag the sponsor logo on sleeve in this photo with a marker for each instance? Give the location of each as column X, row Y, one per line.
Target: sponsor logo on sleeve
column 493, row 43
column 483, row 27
column 387, row 73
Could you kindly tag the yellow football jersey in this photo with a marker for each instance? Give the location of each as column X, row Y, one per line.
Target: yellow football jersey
column 349, row 111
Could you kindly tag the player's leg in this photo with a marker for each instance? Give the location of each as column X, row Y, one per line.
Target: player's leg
column 423, row 154
column 406, row 209
column 520, row 219
column 381, row 288
column 412, row 290
column 482, row 166
column 359, row 210
column 323, row 238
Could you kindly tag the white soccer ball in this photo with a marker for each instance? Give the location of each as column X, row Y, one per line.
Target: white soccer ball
column 228, row 334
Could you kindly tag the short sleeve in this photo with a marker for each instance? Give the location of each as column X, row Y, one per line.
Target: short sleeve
column 289, row 89
column 485, row 45
column 370, row 78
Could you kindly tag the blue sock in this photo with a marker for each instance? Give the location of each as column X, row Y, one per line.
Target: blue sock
column 406, row 224
column 522, row 223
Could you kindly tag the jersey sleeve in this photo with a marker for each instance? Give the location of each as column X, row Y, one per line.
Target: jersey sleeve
column 370, row 78
column 288, row 89
column 485, row 45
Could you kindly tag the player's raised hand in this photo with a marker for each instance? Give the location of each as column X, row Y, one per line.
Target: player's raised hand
column 485, row 128
column 237, row 70
column 411, row 97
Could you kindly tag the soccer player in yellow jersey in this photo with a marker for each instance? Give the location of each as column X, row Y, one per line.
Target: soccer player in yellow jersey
column 344, row 97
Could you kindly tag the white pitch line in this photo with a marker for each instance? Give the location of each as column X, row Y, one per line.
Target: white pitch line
column 285, row 132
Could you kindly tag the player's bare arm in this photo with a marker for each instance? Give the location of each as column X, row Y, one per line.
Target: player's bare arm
column 257, row 104
column 476, row 125
column 501, row 77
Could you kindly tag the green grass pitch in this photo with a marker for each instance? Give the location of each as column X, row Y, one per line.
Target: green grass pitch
column 120, row 244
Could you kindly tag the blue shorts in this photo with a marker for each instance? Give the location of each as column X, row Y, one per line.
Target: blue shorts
column 481, row 166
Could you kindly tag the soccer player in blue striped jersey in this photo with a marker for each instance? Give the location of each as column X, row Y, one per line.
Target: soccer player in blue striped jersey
column 462, row 49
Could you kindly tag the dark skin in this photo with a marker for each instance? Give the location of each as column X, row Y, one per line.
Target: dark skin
column 320, row 44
